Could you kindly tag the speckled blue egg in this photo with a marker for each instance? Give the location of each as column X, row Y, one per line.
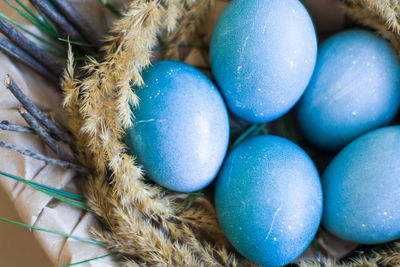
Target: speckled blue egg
column 268, row 200
column 355, row 88
column 180, row 132
column 362, row 189
column 262, row 56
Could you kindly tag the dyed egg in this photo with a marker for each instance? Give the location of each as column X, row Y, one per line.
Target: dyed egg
column 268, row 200
column 362, row 189
column 262, row 56
column 354, row 89
column 180, row 132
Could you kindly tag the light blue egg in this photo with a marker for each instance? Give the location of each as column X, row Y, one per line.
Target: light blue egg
column 268, row 200
column 262, row 56
column 362, row 189
column 355, row 88
column 180, row 132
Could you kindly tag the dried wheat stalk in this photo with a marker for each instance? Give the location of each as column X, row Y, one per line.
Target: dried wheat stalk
column 381, row 15
column 142, row 222
column 192, row 13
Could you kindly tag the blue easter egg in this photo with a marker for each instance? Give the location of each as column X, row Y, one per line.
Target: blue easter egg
column 268, row 200
column 362, row 189
column 354, row 89
column 180, row 132
column 262, row 56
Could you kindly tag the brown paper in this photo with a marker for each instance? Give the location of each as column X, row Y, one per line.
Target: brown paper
column 38, row 209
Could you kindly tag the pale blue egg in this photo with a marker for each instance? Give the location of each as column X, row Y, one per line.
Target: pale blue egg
column 180, row 131
column 362, row 189
column 355, row 88
column 268, row 200
column 262, row 56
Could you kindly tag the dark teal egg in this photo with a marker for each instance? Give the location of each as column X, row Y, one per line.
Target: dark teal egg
column 180, row 131
column 362, row 189
column 268, row 199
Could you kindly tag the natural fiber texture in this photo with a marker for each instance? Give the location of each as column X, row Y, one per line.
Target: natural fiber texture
column 380, row 15
column 140, row 221
column 192, row 13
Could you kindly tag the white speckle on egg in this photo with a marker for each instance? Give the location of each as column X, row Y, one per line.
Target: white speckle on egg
column 239, row 68
column 259, row 89
column 289, row 227
column 384, row 213
column 354, row 62
column 291, row 63
column 274, row 238
column 354, row 113
column 301, row 225
column 363, row 225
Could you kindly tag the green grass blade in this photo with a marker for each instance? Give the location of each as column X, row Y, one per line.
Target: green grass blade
column 72, row 202
column 39, row 24
column 58, row 53
column 76, row 203
column 43, row 19
column 111, row 7
column 45, row 187
column 286, row 128
column 44, row 41
column 52, row 232
column 253, row 128
column 30, row 12
column 92, row 259
column 189, row 200
column 75, row 43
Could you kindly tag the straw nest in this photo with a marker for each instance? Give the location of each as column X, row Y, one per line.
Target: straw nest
column 142, row 221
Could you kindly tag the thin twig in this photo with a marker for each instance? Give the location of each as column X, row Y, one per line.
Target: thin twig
column 6, row 126
column 44, row 136
column 29, row 61
column 38, row 156
column 56, row 132
column 31, row 48
column 67, row 30
column 76, row 19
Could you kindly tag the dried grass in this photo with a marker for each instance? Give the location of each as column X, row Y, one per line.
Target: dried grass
column 380, row 15
column 141, row 222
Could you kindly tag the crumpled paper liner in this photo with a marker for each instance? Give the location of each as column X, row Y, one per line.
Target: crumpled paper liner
column 38, row 209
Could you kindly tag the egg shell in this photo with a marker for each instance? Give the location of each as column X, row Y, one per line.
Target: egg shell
column 362, row 187
column 262, row 56
column 268, row 199
column 354, row 89
column 180, row 132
